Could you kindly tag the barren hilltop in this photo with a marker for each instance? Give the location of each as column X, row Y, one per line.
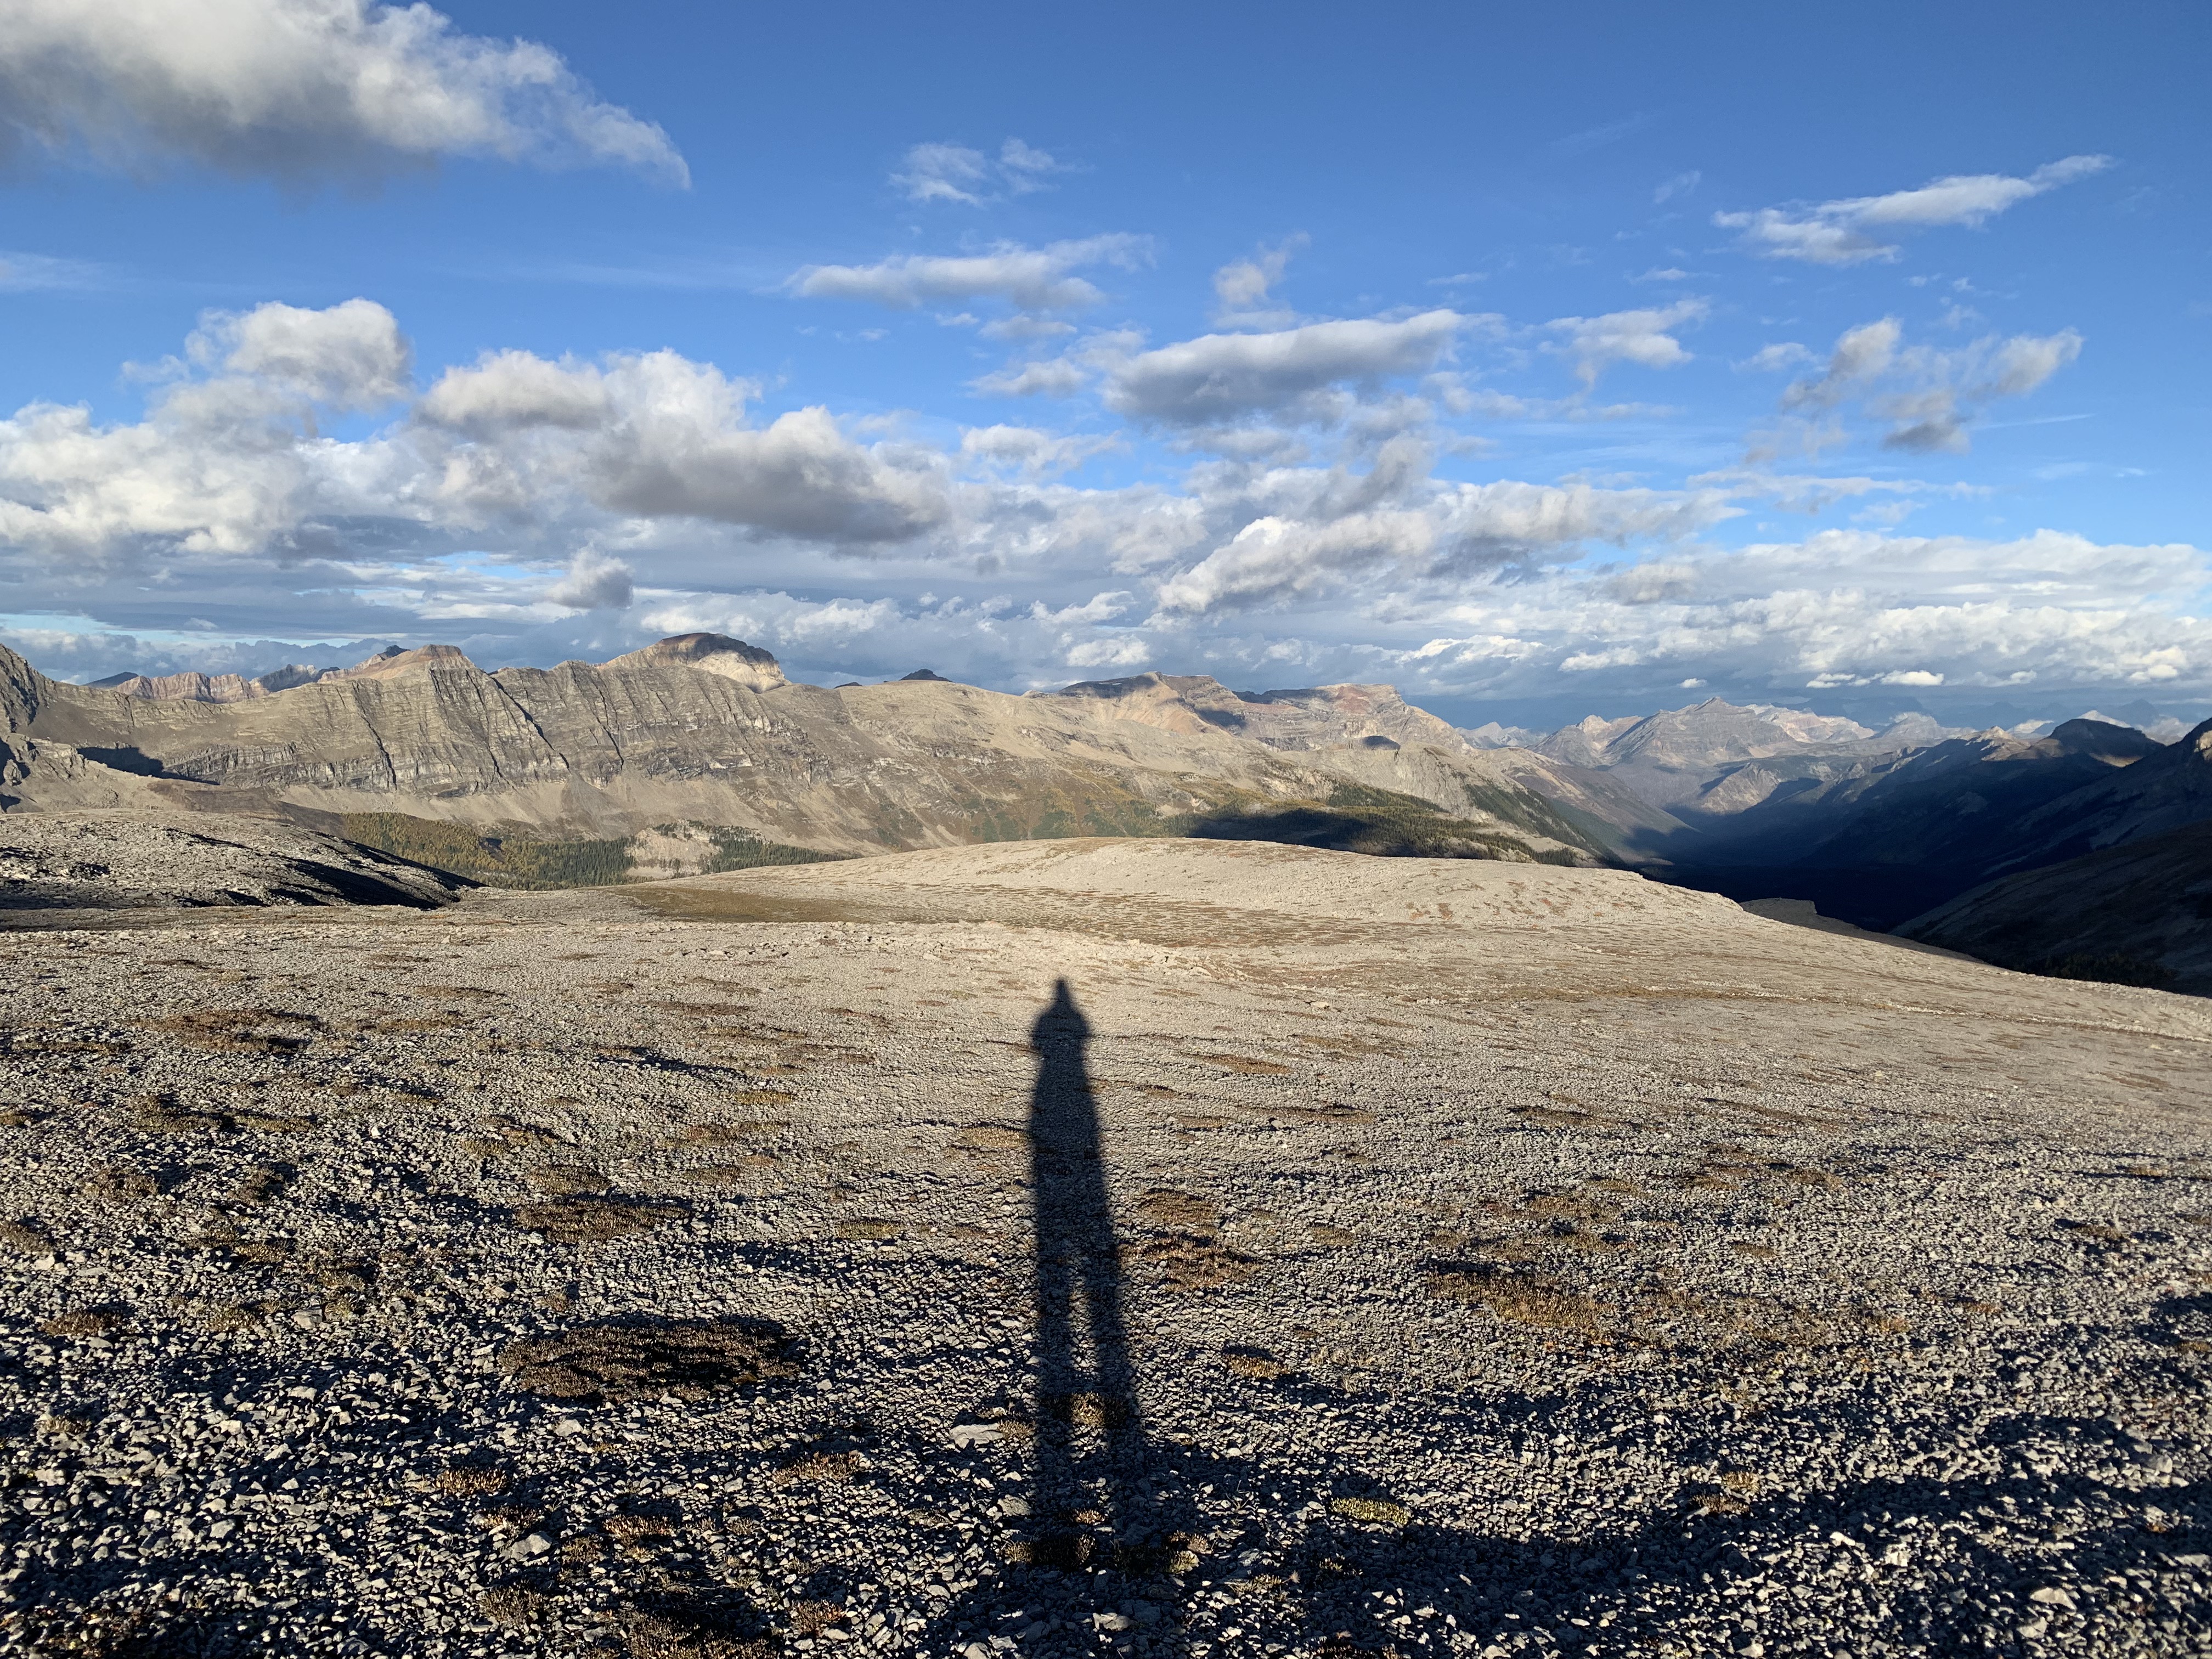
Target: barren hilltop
column 1135, row 1246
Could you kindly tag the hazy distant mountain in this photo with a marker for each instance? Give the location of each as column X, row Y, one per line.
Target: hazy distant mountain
column 703, row 730
column 1876, row 839
column 212, row 688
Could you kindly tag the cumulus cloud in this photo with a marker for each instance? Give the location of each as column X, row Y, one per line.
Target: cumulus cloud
column 229, row 460
column 1854, row 229
column 1221, row 378
column 1459, row 530
column 1849, row 607
column 298, row 90
column 594, row 582
column 347, row 357
column 657, row 435
column 954, row 172
column 1930, row 395
column 531, row 508
column 1642, row 337
column 1028, row 278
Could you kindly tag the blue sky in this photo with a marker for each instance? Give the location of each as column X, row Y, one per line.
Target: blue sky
column 1590, row 359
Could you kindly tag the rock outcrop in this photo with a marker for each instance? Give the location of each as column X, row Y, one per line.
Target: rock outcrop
column 132, row 861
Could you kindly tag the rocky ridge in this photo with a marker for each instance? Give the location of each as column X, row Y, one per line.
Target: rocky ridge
column 706, row 730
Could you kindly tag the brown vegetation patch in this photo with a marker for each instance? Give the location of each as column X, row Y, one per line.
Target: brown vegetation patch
column 646, row 1359
column 470, row 1480
column 15, row 1118
column 120, row 1182
column 567, row 1180
column 88, row 1322
column 1188, row 1263
column 1524, row 1299
column 728, row 1135
column 237, row 1315
column 588, row 1220
column 1330, row 1236
column 762, row 1096
column 262, row 1182
column 162, row 1113
column 1373, row 1511
column 868, row 1227
column 23, row 1235
column 513, row 1606
column 240, row 1030
column 1255, row 1362
column 823, row 1466
column 1556, row 1117
column 515, row 1134
column 1088, row 1410
column 992, row 1137
column 1167, row 1206
column 1244, row 1065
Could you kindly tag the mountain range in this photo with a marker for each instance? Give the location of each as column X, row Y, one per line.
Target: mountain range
column 697, row 753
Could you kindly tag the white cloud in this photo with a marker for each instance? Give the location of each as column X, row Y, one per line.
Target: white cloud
column 1029, row 451
column 954, row 172
column 1219, row 378
column 1681, row 185
column 1244, row 288
column 1929, row 397
column 1459, row 530
column 23, row 273
column 350, row 357
column 1774, row 359
column 657, row 435
column 594, row 582
column 1849, row 607
column 529, row 508
column 1054, row 377
column 1663, row 274
column 298, row 90
column 1853, row 229
column 1642, row 337
column 1028, row 278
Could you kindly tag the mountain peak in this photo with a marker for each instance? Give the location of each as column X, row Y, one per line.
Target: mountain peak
column 710, row 653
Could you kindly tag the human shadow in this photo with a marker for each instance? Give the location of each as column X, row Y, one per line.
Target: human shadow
column 1110, row 1518
column 1093, row 1503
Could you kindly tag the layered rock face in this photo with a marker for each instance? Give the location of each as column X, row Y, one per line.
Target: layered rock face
column 707, row 729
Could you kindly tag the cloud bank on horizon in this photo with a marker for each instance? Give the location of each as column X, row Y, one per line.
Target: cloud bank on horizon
column 1128, row 445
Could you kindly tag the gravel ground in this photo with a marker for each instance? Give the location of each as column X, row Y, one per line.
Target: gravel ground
column 1119, row 1275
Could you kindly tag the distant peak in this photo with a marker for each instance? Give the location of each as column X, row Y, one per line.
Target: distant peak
column 925, row 674
column 711, row 653
column 391, row 663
